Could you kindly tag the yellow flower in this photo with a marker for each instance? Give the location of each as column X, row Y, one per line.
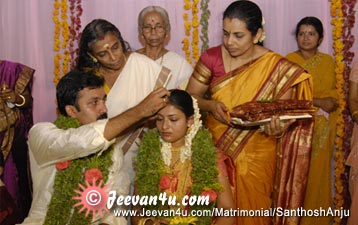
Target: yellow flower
column 191, row 29
column 196, row 23
column 185, row 16
column 337, row 31
column 183, row 220
column 187, row 4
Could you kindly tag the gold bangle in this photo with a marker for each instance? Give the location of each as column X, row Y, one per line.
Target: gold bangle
column 23, row 101
column 355, row 112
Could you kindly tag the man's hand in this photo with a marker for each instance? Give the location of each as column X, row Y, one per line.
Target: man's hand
column 146, row 108
column 155, row 101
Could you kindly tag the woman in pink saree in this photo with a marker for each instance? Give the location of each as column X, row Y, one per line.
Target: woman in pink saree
column 271, row 162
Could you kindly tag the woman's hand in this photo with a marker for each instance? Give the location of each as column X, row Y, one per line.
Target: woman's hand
column 7, row 94
column 328, row 104
column 276, row 126
column 219, row 111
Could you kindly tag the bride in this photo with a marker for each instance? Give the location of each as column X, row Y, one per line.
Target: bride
column 179, row 161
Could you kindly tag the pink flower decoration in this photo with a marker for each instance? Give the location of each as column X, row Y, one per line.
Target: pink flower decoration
column 211, row 193
column 164, row 183
column 169, row 183
column 63, row 165
column 92, row 175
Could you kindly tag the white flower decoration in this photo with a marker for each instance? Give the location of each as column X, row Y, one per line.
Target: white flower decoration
column 263, row 35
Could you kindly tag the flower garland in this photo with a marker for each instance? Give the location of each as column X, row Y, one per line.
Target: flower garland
column 75, row 27
column 57, row 41
column 342, row 42
column 187, row 26
column 60, row 21
column 68, row 176
column 191, row 56
column 348, row 41
column 204, row 22
column 337, row 20
column 195, row 34
column 150, row 170
column 65, row 35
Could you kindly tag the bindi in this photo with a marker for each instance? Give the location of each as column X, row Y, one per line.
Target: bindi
column 106, row 46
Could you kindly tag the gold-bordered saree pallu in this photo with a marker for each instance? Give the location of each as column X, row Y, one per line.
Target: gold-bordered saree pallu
column 269, row 77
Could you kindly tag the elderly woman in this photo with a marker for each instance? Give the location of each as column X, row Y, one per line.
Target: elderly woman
column 154, row 33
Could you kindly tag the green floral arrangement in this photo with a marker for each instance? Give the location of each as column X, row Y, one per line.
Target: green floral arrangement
column 150, row 168
column 68, row 177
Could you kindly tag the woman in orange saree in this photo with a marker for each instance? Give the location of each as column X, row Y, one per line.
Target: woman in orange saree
column 309, row 35
column 271, row 165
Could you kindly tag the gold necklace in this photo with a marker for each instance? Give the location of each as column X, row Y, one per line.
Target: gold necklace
column 175, row 157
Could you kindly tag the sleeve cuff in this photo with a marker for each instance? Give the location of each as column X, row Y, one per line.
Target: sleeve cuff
column 99, row 126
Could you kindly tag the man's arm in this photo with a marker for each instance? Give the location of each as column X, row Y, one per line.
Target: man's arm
column 50, row 144
column 146, row 108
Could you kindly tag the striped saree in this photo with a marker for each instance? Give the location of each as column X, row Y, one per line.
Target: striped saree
column 270, row 172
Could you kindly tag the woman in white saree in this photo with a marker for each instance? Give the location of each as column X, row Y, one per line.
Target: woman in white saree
column 129, row 77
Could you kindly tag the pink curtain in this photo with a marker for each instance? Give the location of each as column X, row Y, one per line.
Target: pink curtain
column 27, row 32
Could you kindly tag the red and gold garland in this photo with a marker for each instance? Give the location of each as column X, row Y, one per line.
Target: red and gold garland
column 341, row 12
column 75, row 29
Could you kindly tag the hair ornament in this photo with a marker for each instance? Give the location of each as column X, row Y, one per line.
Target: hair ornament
column 263, row 35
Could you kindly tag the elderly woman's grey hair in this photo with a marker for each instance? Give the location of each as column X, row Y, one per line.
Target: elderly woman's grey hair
column 162, row 12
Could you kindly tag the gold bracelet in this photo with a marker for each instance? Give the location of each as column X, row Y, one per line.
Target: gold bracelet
column 143, row 221
column 355, row 112
column 23, row 101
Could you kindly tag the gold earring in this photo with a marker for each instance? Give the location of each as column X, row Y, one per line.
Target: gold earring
column 93, row 58
column 255, row 41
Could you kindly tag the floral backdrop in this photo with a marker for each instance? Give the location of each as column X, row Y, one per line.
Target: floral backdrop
column 343, row 20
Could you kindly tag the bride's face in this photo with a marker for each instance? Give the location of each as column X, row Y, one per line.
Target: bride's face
column 172, row 125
